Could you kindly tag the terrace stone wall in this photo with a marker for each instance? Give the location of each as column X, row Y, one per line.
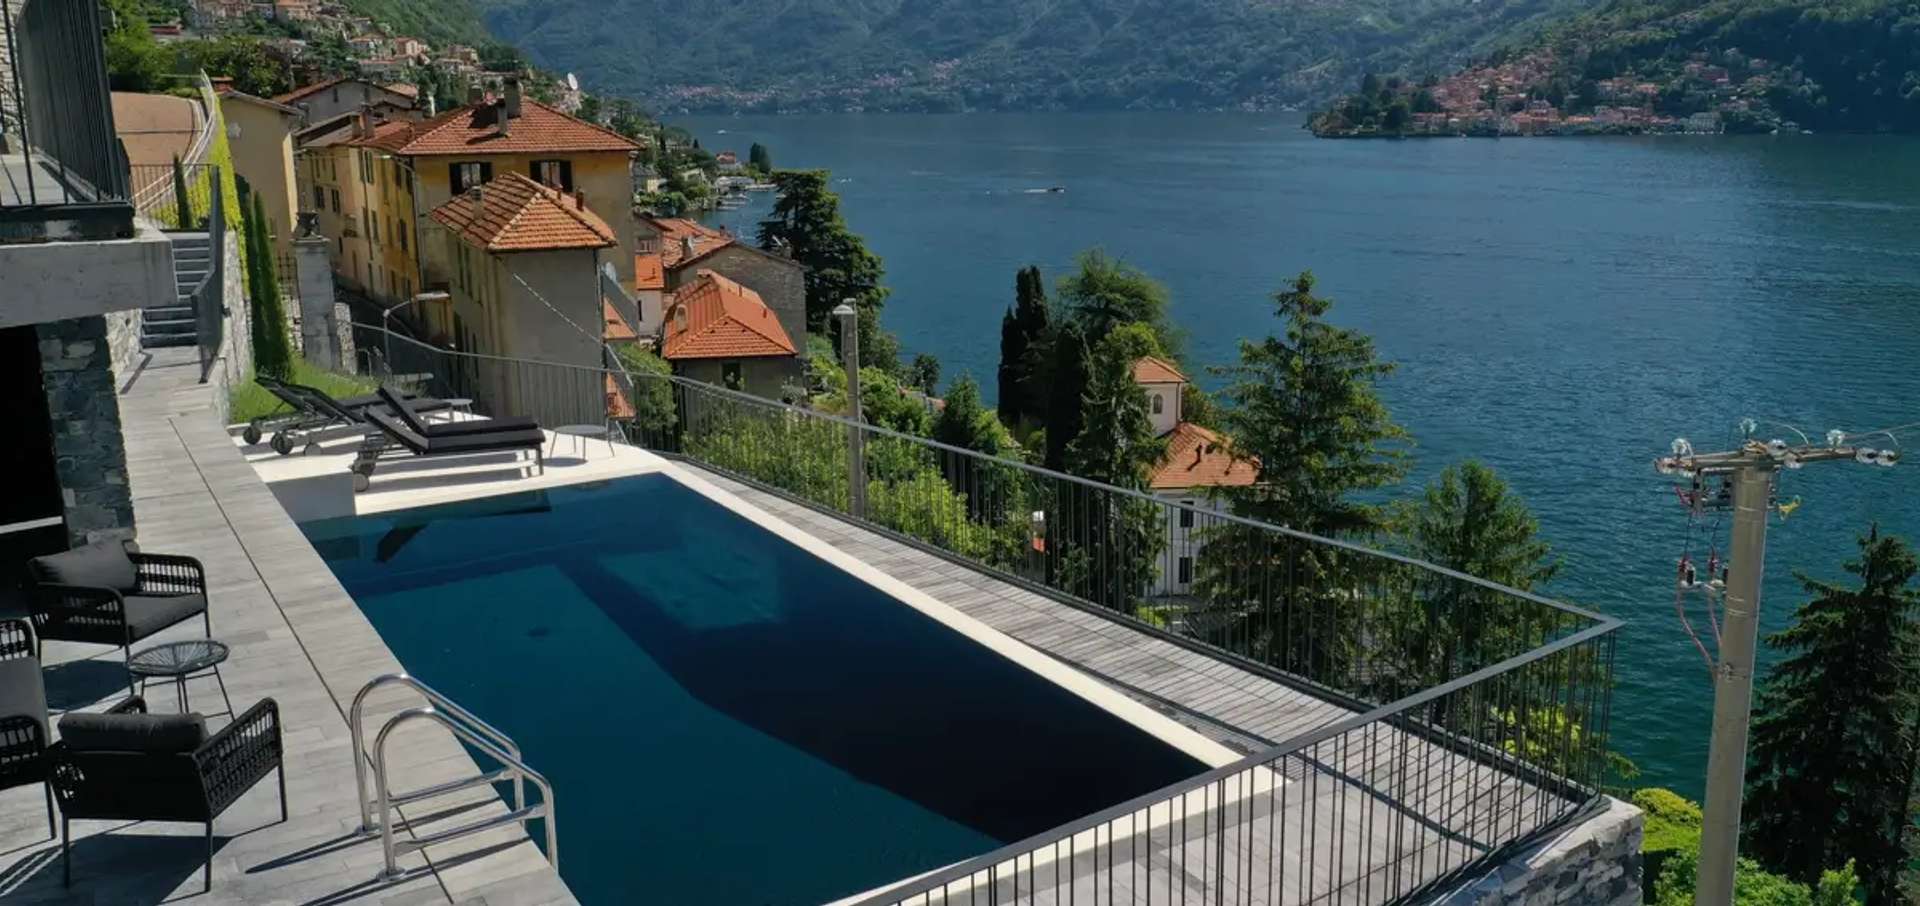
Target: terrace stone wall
column 83, row 405
column 1595, row 861
column 123, row 341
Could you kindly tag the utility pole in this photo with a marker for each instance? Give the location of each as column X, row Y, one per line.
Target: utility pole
column 849, row 319
column 1750, row 473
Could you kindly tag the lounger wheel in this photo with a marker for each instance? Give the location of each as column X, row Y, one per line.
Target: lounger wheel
column 283, row 443
column 252, row 434
column 361, row 482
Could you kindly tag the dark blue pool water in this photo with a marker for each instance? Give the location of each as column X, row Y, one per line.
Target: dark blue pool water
column 726, row 719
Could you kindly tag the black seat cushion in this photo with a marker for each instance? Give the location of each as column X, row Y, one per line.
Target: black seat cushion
column 23, row 692
column 102, row 564
column 152, row 733
column 481, row 442
column 148, row 614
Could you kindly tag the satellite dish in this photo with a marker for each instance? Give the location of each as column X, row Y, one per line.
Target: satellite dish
column 573, row 84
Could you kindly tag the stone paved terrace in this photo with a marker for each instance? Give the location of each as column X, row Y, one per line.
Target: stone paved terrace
column 295, row 636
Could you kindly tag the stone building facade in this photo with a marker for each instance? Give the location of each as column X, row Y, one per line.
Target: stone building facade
column 83, row 404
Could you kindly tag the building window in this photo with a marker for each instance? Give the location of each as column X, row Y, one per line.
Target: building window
column 402, row 233
column 557, row 174
column 1158, row 404
column 1186, row 570
column 464, row 176
column 366, row 167
column 334, row 196
column 1186, row 515
column 319, row 198
column 730, row 375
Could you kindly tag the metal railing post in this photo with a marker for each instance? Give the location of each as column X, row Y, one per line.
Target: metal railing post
column 849, row 319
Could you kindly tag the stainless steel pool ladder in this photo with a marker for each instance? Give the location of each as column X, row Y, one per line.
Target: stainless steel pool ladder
column 469, row 728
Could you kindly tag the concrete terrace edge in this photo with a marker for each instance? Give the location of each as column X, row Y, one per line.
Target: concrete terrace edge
column 1594, row 860
column 345, row 652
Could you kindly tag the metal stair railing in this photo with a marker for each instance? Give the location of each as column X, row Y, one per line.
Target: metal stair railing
column 469, row 728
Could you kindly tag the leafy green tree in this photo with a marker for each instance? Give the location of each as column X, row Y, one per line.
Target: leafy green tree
column 243, row 59
column 966, row 423
column 135, row 62
column 653, row 408
column 1104, row 292
column 1116, row 444
column 806, row 221
column 1831, row 770
column 1198, row 406
column 1023, row 339
column 924, row 373
column 1066, row 382
column 1303, row 405
column 1755, row 886
column 272, row 347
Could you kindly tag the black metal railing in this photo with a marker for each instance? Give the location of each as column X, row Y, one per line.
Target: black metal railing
column 174, row 198
column 210, row 297
column 56, row 114
column 1465, row 717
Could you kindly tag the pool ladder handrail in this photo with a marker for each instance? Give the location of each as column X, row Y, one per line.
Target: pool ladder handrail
column 392, row 849
column 468, row 727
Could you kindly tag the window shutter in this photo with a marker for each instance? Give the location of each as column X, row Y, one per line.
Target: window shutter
column 486, row 172
column 453, row 179
column 566, row 175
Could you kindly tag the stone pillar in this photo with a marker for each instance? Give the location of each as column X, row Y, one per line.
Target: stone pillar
column 83, row 405
column 314, row 277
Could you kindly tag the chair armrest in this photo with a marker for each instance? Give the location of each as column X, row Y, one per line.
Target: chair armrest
column 17, row 639
column 234, row 759
column 22, row 742
column 51, row 603
column 132, row 704
column 168, row 574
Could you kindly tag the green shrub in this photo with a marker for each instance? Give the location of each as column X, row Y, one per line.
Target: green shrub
column 1672, row 826
column 1754, row 886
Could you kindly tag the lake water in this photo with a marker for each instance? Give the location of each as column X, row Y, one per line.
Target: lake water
column 1561, row 309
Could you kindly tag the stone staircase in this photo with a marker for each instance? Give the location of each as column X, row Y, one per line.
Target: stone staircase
column 176, row 324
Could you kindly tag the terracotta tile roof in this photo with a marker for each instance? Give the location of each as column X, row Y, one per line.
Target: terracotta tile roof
column 722, row 320
column 1156, row 370
column 388, row 135
column 648, row 273
column 674, row 233
column 412, row 91
column 231, row 94
column 512, row 213
column 616, row 328
column 1198, row 458
column 539, row 130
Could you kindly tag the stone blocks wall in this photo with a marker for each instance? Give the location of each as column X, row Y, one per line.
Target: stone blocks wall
column 123, row 340
column 1595, row 861
column 83, row 402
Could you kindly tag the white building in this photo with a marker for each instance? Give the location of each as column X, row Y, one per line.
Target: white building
column 1198, row 462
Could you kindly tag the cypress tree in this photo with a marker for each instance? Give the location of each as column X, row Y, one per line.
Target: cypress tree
column 1023, row 340
column 272, row 349
column 1066, row 385
column 1831, row 771
column 182, row 202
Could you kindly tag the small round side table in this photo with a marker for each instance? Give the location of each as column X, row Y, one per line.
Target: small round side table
column 179, row 662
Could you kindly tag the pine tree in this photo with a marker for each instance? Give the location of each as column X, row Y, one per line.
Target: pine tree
column 1303, row 404
column 1470, row 523
column 1105, row 292
column 759, row 158
column 1066, row 382
column 1831, row 770
column 1110, row 544
column 1023, row 333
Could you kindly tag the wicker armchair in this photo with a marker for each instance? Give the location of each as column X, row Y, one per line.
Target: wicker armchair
column 23, row 712
column 105, row 594
column 130, row 768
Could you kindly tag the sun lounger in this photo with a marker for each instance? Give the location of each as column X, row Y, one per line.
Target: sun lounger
column 390, row 435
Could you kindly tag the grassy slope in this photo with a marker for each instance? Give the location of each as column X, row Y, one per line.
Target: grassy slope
column 250, row 400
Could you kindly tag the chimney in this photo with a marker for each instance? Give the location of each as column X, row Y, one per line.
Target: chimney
column 363, row 123
column 579, row 199
column 501, row 121
column 686, row 246
column 513, row 100
column 474, row 93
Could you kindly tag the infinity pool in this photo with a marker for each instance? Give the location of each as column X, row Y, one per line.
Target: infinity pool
column 727, row 718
